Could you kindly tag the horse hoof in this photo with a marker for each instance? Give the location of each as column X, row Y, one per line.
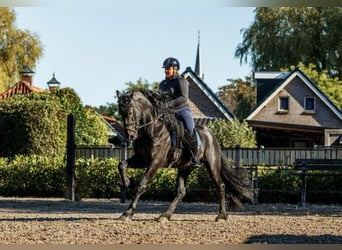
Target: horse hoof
column 163, row 219
column 221, row 218
column 125, row 218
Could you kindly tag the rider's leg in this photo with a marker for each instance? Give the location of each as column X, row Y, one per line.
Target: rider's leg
column 189, row 125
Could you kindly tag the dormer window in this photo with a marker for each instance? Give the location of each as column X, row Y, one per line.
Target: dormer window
column 283, row 104
column 310, row 104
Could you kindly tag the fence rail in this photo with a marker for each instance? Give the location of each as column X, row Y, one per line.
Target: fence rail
column 243, row 156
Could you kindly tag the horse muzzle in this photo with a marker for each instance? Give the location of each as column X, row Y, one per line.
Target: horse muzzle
column 131, row 134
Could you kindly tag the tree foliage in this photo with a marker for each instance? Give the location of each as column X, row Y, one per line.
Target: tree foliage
column 112, row 108
column 281, row 37
column 36, row 123
column 232, row 133
column 31, row 126
column 90, row 130
column 17, row 49
column 141, row 83
column 239, row 96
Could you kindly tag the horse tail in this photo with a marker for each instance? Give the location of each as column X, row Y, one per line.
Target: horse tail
column 236, row 191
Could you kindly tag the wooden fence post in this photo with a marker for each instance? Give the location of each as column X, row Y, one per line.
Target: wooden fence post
column 237, row 156
column 70, row 165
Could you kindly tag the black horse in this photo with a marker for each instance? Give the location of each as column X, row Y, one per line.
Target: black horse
column 148, row 124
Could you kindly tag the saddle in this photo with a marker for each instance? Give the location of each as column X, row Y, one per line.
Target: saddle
column 180, row 137
column 181, row 142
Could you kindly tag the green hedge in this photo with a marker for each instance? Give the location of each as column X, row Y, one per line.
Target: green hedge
column 36, row 124
column 42, row 176
column 284, row 185
column 27, row 126
column 32, row 176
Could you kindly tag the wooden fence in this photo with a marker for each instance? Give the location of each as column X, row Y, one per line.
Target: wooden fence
column 241, row 156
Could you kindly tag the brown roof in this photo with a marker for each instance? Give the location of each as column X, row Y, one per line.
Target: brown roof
column 21, row 87
column 115, row 124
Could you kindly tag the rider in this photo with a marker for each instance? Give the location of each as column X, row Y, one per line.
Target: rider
column 178, row 86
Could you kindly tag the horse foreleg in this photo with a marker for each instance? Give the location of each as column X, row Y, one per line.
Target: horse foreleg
column 123, row 165
column 133, row 162
column 182, row 177
column 127, row 215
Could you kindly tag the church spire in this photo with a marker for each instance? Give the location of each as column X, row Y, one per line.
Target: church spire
column 198, row 66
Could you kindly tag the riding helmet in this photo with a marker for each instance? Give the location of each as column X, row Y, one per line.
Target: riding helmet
column 171, row 62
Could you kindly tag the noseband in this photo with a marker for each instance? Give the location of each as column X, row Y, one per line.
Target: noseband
column 135, row 126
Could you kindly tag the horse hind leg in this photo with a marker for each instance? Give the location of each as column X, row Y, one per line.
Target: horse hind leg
column 182, row 177
column 214, row 172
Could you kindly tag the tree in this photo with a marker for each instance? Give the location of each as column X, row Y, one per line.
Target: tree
column 141, row 84
column 281, row 37
column 37, row 123
column 17, row 49
column 239, row 96
column 90, row 130
column 232, row 133
column 112, row 108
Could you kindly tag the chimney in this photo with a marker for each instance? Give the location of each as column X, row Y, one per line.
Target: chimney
column 27, row 74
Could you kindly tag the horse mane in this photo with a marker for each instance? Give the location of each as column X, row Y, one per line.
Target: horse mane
column 161, row 102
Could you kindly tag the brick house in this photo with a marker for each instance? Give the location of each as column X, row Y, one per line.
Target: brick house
column 204, row 103
column 292, row 111
column 24, row 86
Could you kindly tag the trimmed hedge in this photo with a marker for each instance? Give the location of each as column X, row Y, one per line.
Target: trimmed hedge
column 283, row 185
column 42, row 176
column 27, row 126
column 32, row 176
column 36, row 124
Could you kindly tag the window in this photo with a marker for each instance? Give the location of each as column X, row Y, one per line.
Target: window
column 310, row 103
column 283, row 104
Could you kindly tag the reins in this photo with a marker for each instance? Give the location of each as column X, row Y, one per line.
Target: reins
column 150, row 122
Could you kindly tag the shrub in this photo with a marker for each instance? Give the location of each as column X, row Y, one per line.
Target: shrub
column 32, row 176
column 97, row 178
column 30, row 127
column 284, row 185
column 43, row 176
column 36, row 124
column 278, row 185
column 232, row 133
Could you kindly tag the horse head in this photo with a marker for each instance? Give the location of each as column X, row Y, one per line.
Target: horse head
column 135, row 110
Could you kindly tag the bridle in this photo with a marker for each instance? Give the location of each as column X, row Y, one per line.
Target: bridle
column 136, row 125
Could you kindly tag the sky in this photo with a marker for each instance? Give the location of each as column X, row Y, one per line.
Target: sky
column 95, row 47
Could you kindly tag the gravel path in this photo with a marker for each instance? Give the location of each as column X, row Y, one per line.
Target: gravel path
column 91, row 221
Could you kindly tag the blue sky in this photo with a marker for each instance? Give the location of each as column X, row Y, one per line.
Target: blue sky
column 97, row 48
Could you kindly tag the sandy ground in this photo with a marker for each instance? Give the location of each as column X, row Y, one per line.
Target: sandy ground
column 91, row 221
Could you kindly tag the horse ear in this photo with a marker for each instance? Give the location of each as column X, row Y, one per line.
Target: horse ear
column 118, row 93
